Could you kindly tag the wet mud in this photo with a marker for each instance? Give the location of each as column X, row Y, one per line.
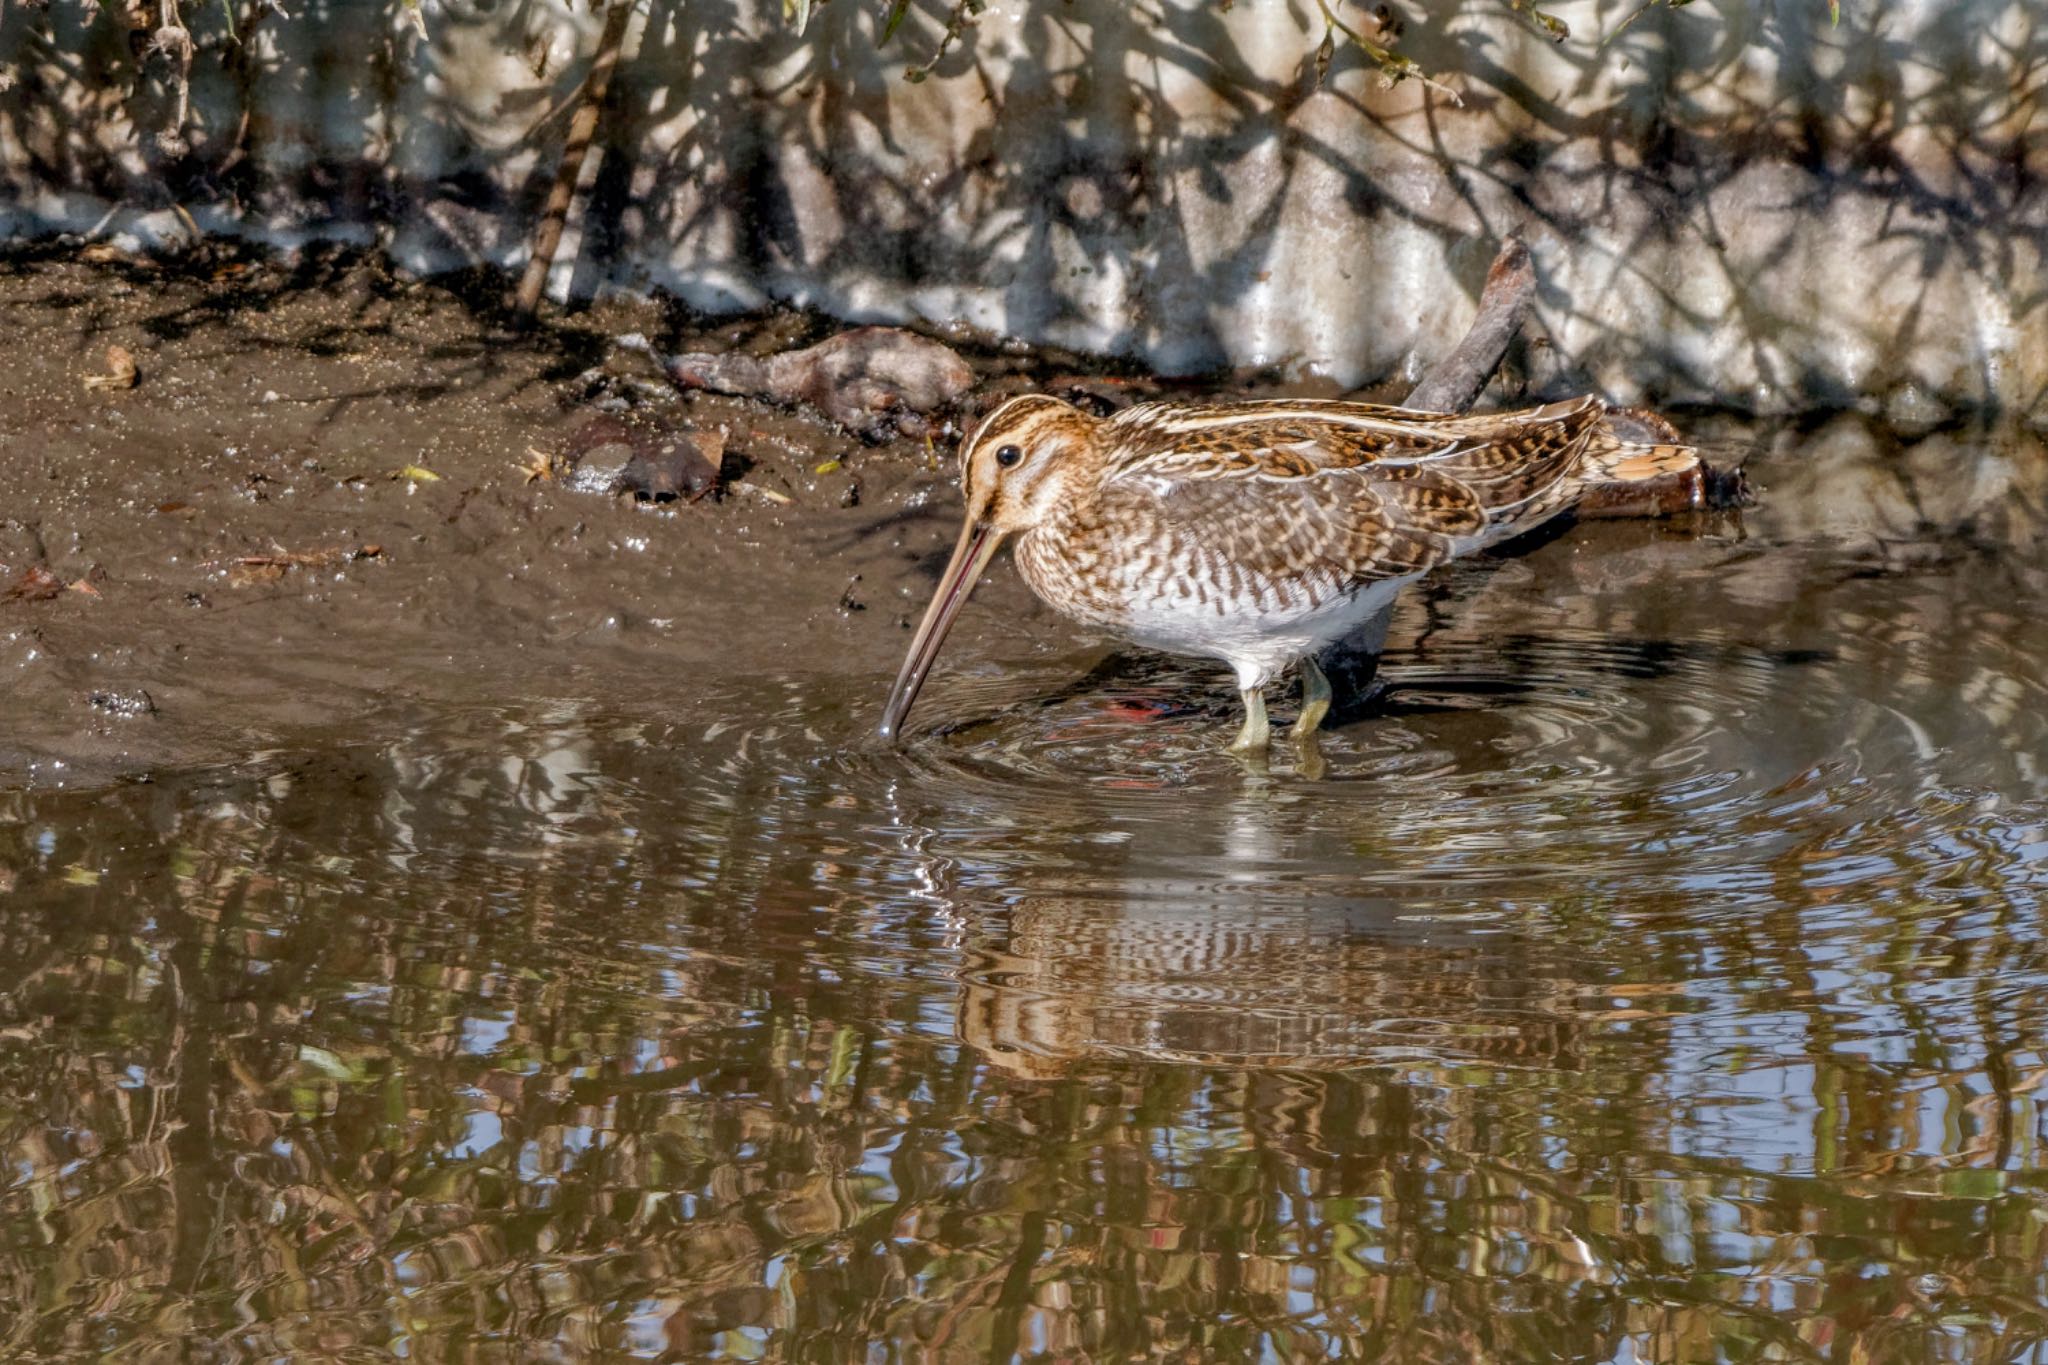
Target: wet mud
column 326, row 496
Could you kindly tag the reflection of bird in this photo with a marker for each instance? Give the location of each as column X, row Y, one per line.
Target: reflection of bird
column 1226, row 983
column 1258, row 532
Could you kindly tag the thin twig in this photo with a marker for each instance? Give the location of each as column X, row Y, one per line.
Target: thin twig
column 175, row 42
column 547, row 235
column 1394, row 67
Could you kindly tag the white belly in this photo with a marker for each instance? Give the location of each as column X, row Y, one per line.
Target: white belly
column 1258, row 643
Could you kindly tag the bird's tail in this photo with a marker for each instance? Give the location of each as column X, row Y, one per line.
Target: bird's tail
column 1637, row 465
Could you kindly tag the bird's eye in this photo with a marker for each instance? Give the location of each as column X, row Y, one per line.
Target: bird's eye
column 1009, row 455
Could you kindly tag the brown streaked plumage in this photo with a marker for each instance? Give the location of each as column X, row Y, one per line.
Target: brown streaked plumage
column 1257, row 532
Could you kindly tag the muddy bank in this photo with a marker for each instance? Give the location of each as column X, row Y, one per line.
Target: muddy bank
column 319, row 505
column 320, row 513
column 332, row 497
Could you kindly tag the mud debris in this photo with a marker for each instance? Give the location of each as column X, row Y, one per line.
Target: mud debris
column 34, row 584
column 877, row 382
column 247, row 570
column 127, row 704
column 37, row 583
column 539, row 466
column 121, row 373
column 609, row 455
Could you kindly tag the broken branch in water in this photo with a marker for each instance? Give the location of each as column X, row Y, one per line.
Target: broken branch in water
column 547, row 235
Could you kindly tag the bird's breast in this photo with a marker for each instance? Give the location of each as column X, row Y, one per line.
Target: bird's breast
column 1161, row 586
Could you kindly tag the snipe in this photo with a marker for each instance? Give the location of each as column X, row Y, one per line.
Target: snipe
column 1259, row 532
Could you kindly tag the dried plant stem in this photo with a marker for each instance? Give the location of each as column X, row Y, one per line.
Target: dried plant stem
column 175, row 42
column 547, row 234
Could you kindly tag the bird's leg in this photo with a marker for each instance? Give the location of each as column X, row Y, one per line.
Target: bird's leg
column 1315, row 698
column 1256, row 732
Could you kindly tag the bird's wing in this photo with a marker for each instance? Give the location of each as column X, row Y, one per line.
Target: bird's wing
column 1368, row 491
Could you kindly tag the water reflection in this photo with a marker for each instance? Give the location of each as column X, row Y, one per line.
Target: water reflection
column 1657, row 977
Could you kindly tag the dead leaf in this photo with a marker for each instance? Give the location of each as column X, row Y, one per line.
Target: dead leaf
column 246, row 575
column 539, row 466
column 36, row 584
column 244, row 570
column 121, row 371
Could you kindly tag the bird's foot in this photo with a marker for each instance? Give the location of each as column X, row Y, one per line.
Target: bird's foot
column 1256, row 734
column 1315, row 700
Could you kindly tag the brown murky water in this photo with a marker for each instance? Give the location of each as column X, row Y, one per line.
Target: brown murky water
column 1658, row 975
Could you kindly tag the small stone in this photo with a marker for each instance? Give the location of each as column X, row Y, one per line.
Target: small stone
column 601, row 469
column 127, row 704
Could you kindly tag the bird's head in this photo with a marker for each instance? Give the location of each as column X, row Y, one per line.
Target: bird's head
column 1017, row 467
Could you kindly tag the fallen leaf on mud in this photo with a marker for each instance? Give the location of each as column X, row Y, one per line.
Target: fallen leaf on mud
column 244, row 570
column 244, row 575
column 85, row 586
column 539, row 466
column 177, row 509
column 36, row 584
column 779, row 499
column 121, row 371
column 417, row 473
column 103, row 253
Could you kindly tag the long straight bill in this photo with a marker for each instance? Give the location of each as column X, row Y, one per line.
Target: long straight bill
column 977, row 545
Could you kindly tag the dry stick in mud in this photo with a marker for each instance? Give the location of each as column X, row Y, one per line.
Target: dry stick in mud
column 1454, row 382
column 547, row 235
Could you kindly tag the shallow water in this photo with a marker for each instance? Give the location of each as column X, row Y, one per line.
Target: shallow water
column 1656, row 974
